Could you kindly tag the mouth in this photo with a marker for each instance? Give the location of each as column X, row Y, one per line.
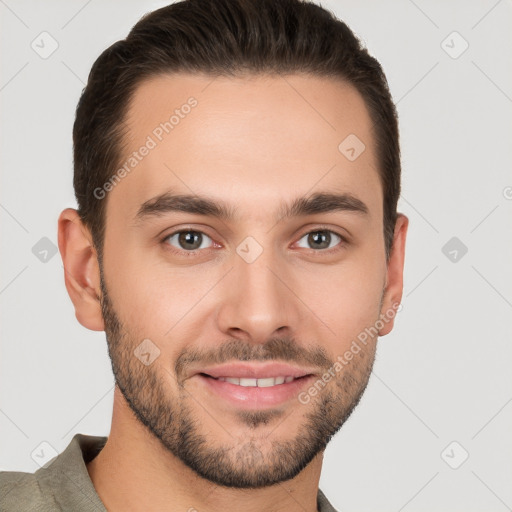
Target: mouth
column 267, row 382
column 248, row 386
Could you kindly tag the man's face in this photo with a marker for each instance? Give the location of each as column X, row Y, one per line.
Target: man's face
column 269, row 295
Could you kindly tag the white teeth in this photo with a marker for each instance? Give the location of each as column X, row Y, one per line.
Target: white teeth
column 248, row 382
column 260, row 383
column 267, row 383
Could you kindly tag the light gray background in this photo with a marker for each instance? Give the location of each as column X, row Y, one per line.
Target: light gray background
column 442, row 375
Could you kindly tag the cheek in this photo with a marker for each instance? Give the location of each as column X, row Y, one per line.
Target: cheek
column 348, row 299
column 157, row 301
column 134, row 288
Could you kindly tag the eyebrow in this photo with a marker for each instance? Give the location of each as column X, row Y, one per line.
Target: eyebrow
column 320, row 202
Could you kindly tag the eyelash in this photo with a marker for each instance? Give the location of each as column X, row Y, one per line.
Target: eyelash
column 193, row 253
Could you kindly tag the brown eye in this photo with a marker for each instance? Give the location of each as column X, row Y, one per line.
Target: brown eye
column 187, row 240
column 321, row 239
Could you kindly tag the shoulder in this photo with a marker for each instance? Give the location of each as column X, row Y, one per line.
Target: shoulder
column 63, row 483
column 20, row 492
column 323, row 503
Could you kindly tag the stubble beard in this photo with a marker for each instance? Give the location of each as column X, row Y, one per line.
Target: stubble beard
column 250, row 460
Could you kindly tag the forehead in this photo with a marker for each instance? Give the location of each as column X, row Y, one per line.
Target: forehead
column 248, row 140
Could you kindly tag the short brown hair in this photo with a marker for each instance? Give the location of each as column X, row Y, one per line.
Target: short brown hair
column 224, row 37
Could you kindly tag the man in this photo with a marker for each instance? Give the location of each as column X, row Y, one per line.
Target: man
column 237, row 173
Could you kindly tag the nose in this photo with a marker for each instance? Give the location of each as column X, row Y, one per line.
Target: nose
column 258, row 302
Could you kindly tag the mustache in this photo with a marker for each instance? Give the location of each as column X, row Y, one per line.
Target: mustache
column 282, row 349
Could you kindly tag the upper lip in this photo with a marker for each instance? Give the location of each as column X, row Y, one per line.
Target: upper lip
column 254, row 371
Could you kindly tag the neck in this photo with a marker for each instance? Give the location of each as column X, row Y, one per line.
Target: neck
column 134, row 471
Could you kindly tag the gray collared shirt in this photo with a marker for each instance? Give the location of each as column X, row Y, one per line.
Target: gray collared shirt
column 64, row 483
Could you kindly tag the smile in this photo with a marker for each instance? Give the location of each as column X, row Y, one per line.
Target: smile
column 255, row 393
column 260, row 383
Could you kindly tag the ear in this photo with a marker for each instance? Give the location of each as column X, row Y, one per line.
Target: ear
column 395, row 274
column 81, row 269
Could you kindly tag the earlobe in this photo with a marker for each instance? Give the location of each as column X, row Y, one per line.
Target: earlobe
column 81, row 269
column 395, row 273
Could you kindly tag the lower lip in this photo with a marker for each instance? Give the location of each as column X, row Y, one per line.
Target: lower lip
column 252, row 397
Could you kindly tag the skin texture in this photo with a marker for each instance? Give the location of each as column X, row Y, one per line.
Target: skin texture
column 252, row 142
